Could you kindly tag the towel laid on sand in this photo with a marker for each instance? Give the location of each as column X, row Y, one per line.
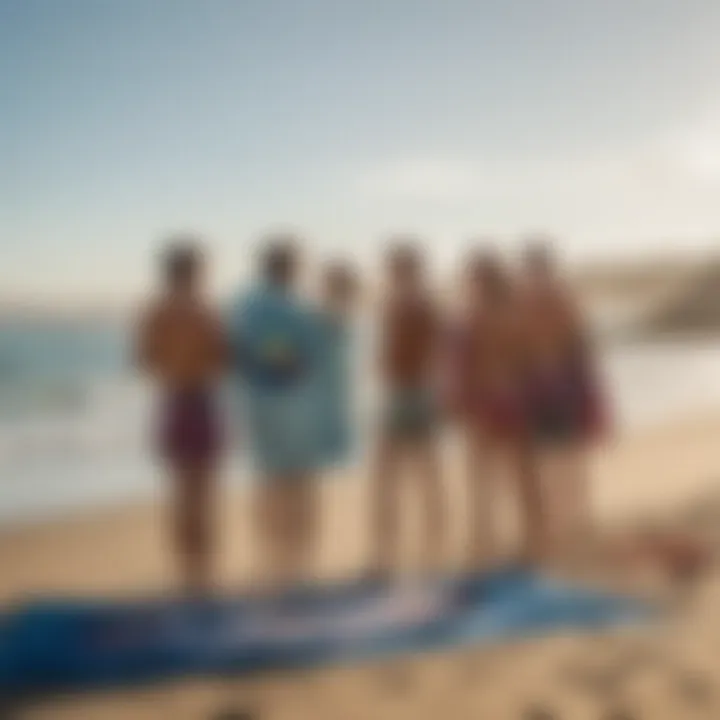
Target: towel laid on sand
column 55, row 645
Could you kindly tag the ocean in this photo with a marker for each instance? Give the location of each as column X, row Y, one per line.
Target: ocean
column 76, row 420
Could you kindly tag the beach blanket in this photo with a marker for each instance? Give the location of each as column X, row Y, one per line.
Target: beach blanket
column 61, row 645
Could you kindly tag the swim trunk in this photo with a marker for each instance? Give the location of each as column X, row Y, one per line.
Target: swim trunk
column 555, row 408
column 500, row 413
column 593, row 417
column 189, row 428
column 410, row 414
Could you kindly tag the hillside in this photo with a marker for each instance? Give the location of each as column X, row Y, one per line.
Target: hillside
column 638, row 280
column 691, row 310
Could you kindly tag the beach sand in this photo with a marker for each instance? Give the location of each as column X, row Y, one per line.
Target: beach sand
column 123, row 551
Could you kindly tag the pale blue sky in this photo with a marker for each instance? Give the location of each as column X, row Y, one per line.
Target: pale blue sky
column 123, row 119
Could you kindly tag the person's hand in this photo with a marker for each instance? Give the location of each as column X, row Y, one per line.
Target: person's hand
column 279, row 355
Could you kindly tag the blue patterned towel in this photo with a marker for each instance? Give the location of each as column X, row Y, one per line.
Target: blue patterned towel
column 290, row 363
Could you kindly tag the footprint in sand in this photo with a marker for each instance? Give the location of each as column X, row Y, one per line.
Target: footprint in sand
column 619, row 714
column 235, row 712
column 601, row 682
column 694, row 689
column 538, row 712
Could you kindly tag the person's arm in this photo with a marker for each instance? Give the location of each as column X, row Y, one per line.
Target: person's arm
column 435, row 342
column 434, row 328
column 382, row 339
column 233, row 327
column 145, row 341
column 456, row 370
column 580, row 335
column 521, row 340
column 220, row 341
column 596, row 409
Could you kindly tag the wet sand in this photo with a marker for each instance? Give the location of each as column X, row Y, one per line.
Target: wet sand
column 122, row 551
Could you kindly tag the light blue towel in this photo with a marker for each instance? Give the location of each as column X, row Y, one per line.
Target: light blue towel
column 334, row 385
column 273, row 336
column 289, row 364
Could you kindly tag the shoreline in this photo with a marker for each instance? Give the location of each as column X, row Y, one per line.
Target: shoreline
column 231, row 484
column 122, row 548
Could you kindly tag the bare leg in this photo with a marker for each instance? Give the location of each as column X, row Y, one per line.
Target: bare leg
column 303, row 521
column 549, row 470
column 429, row 478
column 287, row 524
column 273, row 533
column 577, row 516
column 385, row 508
column 557, row 468
column 583, row 489
column 192, row 526
column 481, row 469
column 532, row 502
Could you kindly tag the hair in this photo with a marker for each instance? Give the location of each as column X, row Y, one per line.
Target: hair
column 405, row 256
column 487, row 270
column 181, row 261
column 279, row 259
column 538, row 252
column 341, row 278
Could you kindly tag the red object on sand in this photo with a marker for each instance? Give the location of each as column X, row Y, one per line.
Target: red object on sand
column 684, row 557
column 681, row 558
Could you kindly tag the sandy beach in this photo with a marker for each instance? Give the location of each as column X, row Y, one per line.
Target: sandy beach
column 122, row 551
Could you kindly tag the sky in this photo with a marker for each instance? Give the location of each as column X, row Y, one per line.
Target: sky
column 122, row 122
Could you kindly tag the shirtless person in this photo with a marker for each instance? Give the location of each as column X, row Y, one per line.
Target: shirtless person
column 180, row 345
column 564, row 403
column 489, row 401
column 408, row 351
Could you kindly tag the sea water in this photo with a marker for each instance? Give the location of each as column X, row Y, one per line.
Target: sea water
column 76, row 420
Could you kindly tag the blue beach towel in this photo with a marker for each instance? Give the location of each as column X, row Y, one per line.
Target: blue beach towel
column 292, row 367
column 273, row 336
column 65, row 645
column 275, row 340
column 333, row 382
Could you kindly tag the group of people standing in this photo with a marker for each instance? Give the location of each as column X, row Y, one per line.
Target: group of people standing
column 512, row 371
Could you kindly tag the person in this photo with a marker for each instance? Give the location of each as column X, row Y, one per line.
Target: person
column 274, row 339
column 408, row 354
column 486, row 397
column 182, row 347
column 334, row 375
column 566, row 411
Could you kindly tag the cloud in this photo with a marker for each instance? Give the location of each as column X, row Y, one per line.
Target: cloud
column 423, row 179
column 694, row 148
column 678, row 162
column 452, row 180
column 659, row 192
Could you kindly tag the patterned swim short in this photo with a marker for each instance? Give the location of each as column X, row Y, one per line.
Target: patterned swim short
column 189, row 428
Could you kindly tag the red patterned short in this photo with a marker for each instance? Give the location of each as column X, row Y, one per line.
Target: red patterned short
column 189, row 428
column 501, row 414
